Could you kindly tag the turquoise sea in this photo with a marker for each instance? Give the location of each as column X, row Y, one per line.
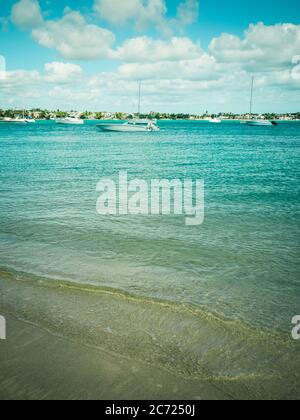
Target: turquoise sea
column 213, row 301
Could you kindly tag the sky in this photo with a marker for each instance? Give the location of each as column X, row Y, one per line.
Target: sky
column 191, row 55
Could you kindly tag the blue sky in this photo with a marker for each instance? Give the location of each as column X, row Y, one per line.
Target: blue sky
column 90, row 53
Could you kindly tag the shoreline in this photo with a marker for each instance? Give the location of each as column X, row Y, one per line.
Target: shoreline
column 170, row 120
column 68, row 343
column 37, row 365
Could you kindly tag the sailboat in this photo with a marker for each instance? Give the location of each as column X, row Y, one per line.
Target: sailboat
column 18, row 120
column 133, row 126
column 256, row 122
column 8, row 120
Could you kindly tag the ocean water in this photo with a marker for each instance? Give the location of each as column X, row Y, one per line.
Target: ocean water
column 191, row 299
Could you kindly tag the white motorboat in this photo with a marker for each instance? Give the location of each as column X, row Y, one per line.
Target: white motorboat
column 134, row 126
column 262, row 123
column 18, row 119
column 13, row 120
column 70, row 121
column 5, row 120
column 215, row 121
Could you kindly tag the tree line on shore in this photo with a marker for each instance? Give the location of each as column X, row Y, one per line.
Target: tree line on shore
column 44, row 114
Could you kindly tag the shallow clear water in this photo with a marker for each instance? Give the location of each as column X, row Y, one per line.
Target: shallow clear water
column 196, row 300
column 243, row 262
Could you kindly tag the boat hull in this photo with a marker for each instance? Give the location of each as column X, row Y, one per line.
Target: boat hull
column 215, row 121
column 13, row 122
column 69, row 122
column 123, row 128
column 260, row 123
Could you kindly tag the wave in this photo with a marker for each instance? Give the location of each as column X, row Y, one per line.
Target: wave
column 199, row 311
column 186, row 340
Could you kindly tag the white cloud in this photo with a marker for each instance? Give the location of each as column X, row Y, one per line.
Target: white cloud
column 202, row 68
column 74, row 38
column 166, row 95
column 147, row 13
column 18, row 85
column 177, row 74
column 278, row 79
column 72, row 96
column 263, row 48
column 144, row 49
column 27, row 14
column 62, row 72
column 33, row 89
column 224, row 91
column 2, row 67
column 188, row 12
column 18, row 77
column 55, row 73
column 143, row 12
column 169, row 87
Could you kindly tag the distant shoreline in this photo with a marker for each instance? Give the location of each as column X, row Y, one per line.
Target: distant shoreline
column 186, row 120
column 44, row 115
column 169, row 120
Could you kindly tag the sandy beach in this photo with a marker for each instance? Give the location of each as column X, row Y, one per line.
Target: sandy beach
column 35, row 365
column 66, row 342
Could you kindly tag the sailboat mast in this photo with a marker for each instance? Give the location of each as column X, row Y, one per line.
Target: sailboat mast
column 251, row 100
column 140, row 92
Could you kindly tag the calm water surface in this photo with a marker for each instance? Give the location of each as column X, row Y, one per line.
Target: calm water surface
column 242, row 264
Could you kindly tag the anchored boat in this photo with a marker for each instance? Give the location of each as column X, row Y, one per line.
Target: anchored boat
column 257, row 122
column 263, row 123
column 133, row 126
column 70, row 121
column 16, row 121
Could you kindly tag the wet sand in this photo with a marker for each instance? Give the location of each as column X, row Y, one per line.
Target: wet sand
column 35, row 365
column 69, row 342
